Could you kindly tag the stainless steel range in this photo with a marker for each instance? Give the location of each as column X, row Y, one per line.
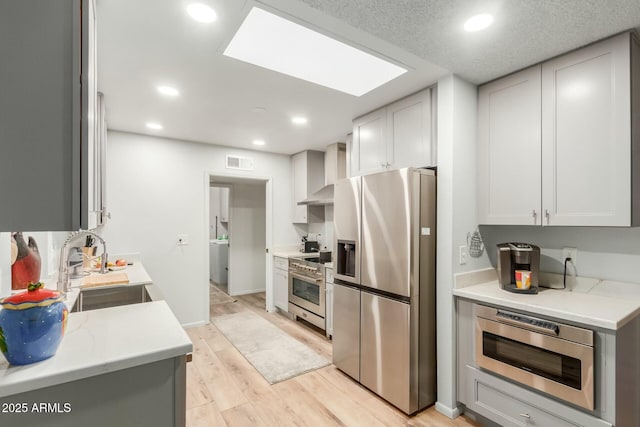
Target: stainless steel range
column 307, row 290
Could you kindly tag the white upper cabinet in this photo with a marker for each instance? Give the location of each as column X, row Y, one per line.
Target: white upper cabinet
column 94, row 125
column 394, row 136
column 409, row 135
column 349, row 155
column 299, row 173
column 586, row 136
column 48, row 108
column 509, row 155
column 555, row 142
column 369, row 147
column 224, row 204
column 307, row 176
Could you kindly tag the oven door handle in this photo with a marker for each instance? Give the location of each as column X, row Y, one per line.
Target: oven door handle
column 305, row 278
column 525, row 322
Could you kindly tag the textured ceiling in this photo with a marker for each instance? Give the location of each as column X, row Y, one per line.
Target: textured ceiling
column 524, row 31
column 144, row 43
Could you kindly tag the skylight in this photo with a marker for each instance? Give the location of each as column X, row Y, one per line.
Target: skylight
column 272, row 42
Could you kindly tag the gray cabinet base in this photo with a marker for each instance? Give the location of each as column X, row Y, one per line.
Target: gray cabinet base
column 510, row 405
column 148, row 395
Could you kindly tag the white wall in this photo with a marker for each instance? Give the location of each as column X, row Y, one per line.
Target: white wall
column 316, row 222
column 156, row 190
column 247, row 238
column 5, row 264
column 328, row 228
column 457, row 110
column 603, row 252
column 49, row 244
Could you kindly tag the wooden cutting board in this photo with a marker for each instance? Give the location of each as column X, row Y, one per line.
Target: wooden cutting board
column 105, row 279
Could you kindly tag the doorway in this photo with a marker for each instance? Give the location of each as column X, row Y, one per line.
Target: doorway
column 219, row 196
column 238, row 227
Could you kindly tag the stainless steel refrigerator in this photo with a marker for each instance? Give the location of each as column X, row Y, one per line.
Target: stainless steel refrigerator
column 384, row 319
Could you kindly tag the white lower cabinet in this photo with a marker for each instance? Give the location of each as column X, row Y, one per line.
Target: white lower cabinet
column 328, row 316
column 281, row 283
column 510, row 405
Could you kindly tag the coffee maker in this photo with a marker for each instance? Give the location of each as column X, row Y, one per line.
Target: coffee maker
column 513, row 259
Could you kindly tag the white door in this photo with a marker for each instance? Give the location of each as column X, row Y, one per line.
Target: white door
column 369, row 152
column 409, row 131
column 586, row 136
column 509, row 150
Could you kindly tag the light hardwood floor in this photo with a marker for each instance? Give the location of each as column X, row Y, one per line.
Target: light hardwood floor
column 223, row 389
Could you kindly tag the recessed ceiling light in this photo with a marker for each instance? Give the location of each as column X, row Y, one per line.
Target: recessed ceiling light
column 154, row 125
column 258, row 142
column 272, row 42
column 299, row 120
column 168, row 90
column 478, row 22
column 202, row 13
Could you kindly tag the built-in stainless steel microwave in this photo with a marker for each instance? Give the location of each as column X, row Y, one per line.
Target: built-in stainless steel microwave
column 551, row 357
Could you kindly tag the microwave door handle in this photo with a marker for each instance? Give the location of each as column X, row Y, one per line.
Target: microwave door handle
column 548, row 328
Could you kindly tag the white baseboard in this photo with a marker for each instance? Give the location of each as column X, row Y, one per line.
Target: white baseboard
column 194, row 324
column 247, row 291
column 449, row 412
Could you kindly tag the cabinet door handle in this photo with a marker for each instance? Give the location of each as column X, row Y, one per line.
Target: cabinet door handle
column 546, row 215
column 527, row 416
column 535, row 217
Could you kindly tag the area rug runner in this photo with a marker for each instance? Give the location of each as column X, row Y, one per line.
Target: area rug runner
column 275, row 354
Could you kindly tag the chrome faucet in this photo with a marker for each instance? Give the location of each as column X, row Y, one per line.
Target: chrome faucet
column 64, row 284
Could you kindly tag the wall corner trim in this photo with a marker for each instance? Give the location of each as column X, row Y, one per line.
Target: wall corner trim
column 452, row 413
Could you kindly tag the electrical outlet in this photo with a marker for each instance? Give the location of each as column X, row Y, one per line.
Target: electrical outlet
column 570, row 253
column 463, row 255
column 183, row 239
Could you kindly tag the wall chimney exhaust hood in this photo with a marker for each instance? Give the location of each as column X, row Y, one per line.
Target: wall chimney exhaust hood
column 335, row 168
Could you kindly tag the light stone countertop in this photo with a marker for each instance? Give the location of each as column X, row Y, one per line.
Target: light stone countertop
column 294, row 254
column 104, row 340
column 606, row 305
column 101, row 341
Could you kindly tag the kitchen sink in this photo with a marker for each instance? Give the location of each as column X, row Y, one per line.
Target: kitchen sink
column 93, row 299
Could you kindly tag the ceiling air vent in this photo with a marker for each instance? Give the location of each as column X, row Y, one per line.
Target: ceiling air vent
column 237, row 162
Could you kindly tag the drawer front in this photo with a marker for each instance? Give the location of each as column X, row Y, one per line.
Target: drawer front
column 328, row 275
column 281, row 263
column 511, row 405
column 510, row 411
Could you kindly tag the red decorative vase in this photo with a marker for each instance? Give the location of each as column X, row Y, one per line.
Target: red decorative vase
column 26, row 268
